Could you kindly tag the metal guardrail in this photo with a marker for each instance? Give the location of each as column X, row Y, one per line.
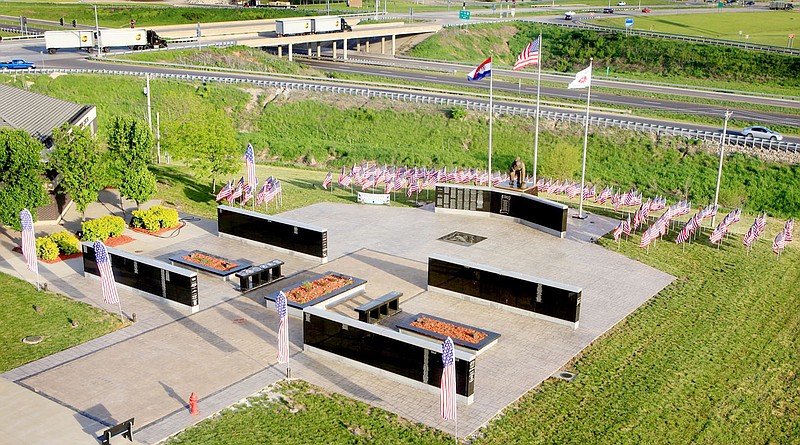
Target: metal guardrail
column 451, row 102
column 224, row 44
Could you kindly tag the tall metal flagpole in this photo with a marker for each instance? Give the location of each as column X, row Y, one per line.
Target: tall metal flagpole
column 728, row 115
column 536, row 136
column 585, row 143
column 491, row 109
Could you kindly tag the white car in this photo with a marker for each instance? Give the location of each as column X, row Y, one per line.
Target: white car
column 762, row 133
column 621, row 4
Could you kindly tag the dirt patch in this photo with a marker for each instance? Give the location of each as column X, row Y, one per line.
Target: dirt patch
column 115, row 241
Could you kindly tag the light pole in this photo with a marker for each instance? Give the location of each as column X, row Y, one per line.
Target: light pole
column 97, row 31
column 728, row 115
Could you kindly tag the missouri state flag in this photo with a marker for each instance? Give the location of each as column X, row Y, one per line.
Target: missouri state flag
column 483, row 70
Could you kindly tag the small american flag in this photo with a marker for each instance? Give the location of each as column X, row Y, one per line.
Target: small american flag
column 749, row 237
column 718, row 233
column 685, row 233
column 107, row 282
column 327, row 181
column 618, row 230
column 283, row 329
column 250, row 160
column 647, row 237
column 225, row 191
column 447, row 398
column 529, row 56
column 28, row 240
column 788, row 230
column 779, row 243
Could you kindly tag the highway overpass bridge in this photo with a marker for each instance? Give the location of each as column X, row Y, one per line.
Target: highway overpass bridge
column 261, row 34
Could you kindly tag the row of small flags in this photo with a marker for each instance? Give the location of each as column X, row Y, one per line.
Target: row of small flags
column 233, row 191
column 414, row 179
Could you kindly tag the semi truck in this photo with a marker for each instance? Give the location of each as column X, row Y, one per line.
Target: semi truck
column 269, row 4
column 321, row 25
column 135, row 39
column 315, row 25
column 781, row 5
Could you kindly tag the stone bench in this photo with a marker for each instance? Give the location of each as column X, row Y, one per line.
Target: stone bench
column 260, row 275
column 381, row 307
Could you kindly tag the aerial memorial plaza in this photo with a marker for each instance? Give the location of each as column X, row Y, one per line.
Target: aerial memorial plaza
column 403, row 271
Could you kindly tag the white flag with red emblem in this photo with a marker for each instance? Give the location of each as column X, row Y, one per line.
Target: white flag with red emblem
column 583, row 79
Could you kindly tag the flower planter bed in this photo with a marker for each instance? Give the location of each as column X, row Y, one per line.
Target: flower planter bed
column 115, row 241
column 465, row 337
column 326, row 289
column 207, row 262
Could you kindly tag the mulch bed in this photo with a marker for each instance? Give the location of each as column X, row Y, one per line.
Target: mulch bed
column 18, row 249
column 311, row 290
column 466, row 334
column 157, row 232
column 115, row 241
column 210, row 261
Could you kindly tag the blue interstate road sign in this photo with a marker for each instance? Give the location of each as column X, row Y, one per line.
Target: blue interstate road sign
column 628, row 22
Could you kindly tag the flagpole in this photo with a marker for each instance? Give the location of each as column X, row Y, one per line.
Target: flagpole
column 585, row 142
column 491, row 87
column 536, row 135
column 119, row 304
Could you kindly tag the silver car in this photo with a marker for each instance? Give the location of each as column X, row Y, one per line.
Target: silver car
column 762, row 133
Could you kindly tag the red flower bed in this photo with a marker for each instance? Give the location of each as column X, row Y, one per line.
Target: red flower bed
column 453, row 331
column 210, row 261
column 311, row 290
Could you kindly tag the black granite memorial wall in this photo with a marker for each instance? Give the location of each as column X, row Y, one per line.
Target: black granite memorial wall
column 541, row 213
column 148, row 275
column 366, row 344
column 539, row 296
column 274, row 231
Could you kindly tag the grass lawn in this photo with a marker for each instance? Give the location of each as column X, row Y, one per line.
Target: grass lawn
column 18, row 319
column 713, row 358
column 764, row 27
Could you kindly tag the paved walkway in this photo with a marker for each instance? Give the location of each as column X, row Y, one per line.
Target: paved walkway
column 226, row 351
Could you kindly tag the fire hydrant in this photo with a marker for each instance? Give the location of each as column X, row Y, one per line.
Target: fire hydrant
column 193, row 404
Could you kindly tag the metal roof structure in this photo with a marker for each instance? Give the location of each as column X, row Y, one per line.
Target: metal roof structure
column 38, row 114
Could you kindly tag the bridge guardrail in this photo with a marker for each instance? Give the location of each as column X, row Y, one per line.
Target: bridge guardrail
column 469, row 104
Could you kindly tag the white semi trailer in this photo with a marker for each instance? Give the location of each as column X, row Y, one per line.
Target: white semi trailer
column 321, row 25
column 292, row 27
column 75, row 39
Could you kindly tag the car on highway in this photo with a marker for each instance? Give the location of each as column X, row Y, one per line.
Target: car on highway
column 17, row 64
column 761, row 133
column 621, row 4
column 646, row 10
column 569, row 15
column 608, row 11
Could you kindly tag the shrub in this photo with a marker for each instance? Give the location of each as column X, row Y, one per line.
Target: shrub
column 155, row 218
column 458, row 113
column 67, row 243
column 46, row 248
column 102, row 228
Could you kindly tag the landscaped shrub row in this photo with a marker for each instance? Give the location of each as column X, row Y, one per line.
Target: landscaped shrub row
column 61, row 243
column 155, row 218
column 102, row 228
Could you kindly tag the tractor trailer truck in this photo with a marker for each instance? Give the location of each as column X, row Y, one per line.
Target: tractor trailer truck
column 135, row 39
column 314, row 25
column 321, row 25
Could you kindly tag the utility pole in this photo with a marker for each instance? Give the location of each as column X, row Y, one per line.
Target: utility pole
column 147, row 93
column 97, row 31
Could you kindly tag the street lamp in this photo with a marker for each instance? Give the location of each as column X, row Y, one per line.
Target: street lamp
column 728, row 115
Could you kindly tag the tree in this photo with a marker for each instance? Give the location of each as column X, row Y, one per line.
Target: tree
column 21, row 176
column 206, row 142
column 77, row 158
column 130, row 148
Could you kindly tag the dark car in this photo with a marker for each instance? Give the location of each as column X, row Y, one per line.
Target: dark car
column 749, row 3
column 608, row 11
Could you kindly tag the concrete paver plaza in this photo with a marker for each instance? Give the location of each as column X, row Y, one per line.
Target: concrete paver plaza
column 226, row 351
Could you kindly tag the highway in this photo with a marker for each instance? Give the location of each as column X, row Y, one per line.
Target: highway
column 454, row 76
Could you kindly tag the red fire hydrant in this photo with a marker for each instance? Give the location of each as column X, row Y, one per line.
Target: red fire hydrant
column 193, row 404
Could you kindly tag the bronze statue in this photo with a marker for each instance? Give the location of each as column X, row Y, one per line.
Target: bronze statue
column 517, row 174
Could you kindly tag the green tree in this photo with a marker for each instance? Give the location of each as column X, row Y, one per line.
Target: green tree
column 130, row 148
column 21, row 180
column 77, row 158
column 206, row 141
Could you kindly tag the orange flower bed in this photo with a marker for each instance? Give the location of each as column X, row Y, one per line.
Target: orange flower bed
column 311, row 290
column 209, row 261
column 453, row 331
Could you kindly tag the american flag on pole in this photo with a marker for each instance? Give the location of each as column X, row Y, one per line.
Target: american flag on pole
column 647, row 237
column 779, row 243
column 283, row 329
column 529, row 56
column 225, row 191
column 250, row 160
column 618, row 230
column 447, row 398
column 788, row 230
column 110, row 295
column 718, row 233
column 327, row 181
column 28, row 240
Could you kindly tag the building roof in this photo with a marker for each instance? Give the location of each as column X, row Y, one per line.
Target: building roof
column 36, row 113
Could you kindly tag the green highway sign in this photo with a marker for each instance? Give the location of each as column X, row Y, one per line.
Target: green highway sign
column 463, row 15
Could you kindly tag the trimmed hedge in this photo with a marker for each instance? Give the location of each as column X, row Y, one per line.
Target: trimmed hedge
column 46, row 248
column 154, row 218
column 103, row 228
column 68, row 243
